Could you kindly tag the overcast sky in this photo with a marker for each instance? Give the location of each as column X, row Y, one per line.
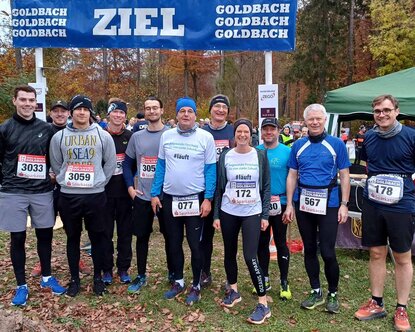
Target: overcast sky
column 5, row 5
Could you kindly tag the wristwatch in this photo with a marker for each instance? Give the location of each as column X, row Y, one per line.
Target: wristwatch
column 345, row 203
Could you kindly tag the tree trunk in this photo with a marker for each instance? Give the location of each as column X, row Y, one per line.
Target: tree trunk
column 19, row 60
column 351, row 45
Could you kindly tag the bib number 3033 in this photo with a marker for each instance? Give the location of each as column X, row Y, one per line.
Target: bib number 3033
column 314, row 200
column 31, row 166
column 185, row 206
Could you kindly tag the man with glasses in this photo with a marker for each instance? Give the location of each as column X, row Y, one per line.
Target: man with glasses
column 389, row 207
column 186, row 177
column 141, row 155
column 222, row 133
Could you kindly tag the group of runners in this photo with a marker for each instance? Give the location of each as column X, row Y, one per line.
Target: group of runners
column 198, row 180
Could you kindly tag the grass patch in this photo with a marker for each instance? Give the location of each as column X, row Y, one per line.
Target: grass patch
column 148, row 311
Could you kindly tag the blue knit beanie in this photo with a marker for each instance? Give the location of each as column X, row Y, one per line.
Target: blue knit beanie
column 185, row 102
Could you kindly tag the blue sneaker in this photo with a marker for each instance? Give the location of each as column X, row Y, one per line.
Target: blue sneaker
column 124, row 277
column 22, row 293
column 53, row 285
column 107, row 278
column 137, row 284
column 193, row 296
column 174, row 291
column 260, row 314
column 231, row 298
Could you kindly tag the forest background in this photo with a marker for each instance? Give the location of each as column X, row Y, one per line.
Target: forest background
column 339, row 42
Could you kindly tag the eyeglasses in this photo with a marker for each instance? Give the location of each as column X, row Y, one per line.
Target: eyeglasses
column 385, row 111
column 219, row 106
column 153, row 108
column 186, row 111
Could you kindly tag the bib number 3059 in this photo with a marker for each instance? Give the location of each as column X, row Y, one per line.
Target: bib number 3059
column 79, row 176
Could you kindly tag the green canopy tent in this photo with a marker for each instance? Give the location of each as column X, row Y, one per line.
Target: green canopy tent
column 354, row 101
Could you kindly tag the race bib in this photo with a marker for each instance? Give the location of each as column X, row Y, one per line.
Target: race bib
column 314, row 200
column 79, row 176
column 118, row 169
column 148, row 167
column 385, row 188
column 185, row 206
column 220, row 145
column 243, row 192
column 275, row 206
column 31, row 166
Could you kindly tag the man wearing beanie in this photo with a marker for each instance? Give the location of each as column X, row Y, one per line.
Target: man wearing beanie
column 26, row 189
column 83, row 158
column 119, row 205
column 141, row 123
column 59, row 113
column 184, row 186
column 223, row 134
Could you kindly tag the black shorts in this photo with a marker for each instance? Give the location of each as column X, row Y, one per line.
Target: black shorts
column 379, row 225
column 75, row 208
column 143, row 217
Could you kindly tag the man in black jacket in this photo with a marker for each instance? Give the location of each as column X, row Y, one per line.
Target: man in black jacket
column 27, row 188
column 119, row 203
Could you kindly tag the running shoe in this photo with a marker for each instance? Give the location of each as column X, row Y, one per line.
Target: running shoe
column 22, row 293
column 99, row 287
column 285, row 293
column 137, row 284
column 332, row 305
column 107, row 278
column 313, row 300
column 231, row 298
column 124, row 277
column 174, row 291
column 37, row 270
column 260, row 314
column 193, row 296
column 401, row 320
column 53, row 285
column 205, row 279
column 73, row 289
column 370, row 310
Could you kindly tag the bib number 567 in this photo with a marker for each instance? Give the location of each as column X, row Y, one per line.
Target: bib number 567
column 311, row 201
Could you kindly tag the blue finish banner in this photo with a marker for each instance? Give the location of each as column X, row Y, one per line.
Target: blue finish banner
column 267, row 25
